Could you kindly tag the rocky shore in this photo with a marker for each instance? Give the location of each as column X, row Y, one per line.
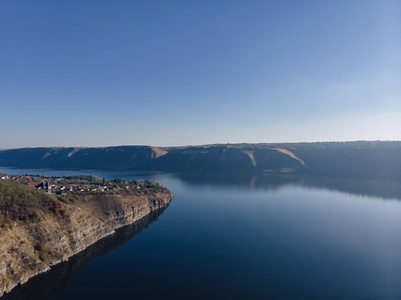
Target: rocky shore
column 27, row 250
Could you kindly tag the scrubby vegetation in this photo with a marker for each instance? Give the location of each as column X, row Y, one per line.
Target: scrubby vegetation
column 138, row 185
column 83, row 178
column 18, row 202
column 21, row 203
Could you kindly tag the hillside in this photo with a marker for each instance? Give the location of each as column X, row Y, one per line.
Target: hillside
column 116, row 158
column 38, row 230
column 44, row 285
column 379, row 159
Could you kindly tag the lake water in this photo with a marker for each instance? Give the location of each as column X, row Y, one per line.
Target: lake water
column 230, row 237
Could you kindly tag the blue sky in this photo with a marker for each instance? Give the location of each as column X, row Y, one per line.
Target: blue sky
column 98, row 73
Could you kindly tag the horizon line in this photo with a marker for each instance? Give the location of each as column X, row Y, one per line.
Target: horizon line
column 201, row 145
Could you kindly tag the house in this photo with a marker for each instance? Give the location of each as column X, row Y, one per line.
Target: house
column 42, row 186
column 46, row 186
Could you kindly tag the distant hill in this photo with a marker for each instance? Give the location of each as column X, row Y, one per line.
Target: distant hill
column 376, row 159
column 109, row 158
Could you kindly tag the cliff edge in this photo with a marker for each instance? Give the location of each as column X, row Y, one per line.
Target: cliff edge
column 29, row 248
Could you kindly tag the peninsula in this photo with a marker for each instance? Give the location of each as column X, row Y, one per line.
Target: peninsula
column 47, row 220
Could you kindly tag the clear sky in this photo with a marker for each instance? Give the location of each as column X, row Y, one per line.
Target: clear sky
column 98, row 73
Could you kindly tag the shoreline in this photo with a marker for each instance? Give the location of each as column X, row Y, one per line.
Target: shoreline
column 74, row 237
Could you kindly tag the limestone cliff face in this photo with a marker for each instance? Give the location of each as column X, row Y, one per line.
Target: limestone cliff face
column 27, row 250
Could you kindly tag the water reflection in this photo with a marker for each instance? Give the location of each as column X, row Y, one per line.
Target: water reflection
column 58, row 277
column 385, row 189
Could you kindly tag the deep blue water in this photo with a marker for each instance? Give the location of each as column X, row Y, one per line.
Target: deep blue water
column 225, row 237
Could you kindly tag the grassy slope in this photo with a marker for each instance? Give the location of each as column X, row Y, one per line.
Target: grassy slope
column 20, row 203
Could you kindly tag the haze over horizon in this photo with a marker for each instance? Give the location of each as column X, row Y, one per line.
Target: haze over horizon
column 80, row 73
column 194, row 145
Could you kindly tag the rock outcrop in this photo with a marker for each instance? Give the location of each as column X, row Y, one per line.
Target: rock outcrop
column 29, row 249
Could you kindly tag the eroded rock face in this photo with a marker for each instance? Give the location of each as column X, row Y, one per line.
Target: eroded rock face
column 27, row 250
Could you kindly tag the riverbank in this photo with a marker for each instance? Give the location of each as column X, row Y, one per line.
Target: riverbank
column 32, row 248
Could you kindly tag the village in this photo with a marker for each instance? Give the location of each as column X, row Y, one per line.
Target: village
column 83, row 183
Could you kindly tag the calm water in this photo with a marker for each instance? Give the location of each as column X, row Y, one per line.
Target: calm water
column 224, row 237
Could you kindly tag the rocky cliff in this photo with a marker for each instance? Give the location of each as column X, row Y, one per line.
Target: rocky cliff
column 29, row 249
column 44, row 285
